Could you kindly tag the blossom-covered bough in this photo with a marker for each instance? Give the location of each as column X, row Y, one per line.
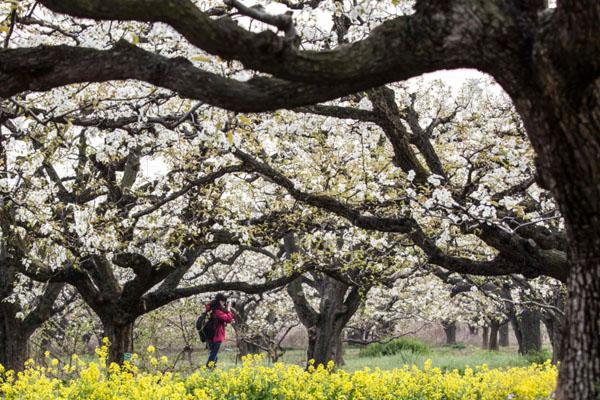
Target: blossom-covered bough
column 515, row 253
column 81, row 208
column 483, row 187
column 546, row 59
column 481, row 183
column 24, row 305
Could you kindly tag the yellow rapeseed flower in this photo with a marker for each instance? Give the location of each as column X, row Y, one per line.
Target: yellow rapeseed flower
column 254, row 380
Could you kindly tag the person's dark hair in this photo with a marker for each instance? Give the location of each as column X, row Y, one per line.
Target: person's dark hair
column 215, row 304
column 220, row 297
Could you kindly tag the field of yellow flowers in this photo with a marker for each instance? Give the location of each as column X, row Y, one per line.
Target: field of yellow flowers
column 253, row 380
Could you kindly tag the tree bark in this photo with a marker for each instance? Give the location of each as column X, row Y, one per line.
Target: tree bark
column 120, row 335
column 13, row 340
column 244, row 344
column 531, row 330
column 504, row 335
column 485, row 337
column 528, row 331
column 326, row 344
column 514, row 322
column 580, row 350
column 554, row 327
column 15, row 332
column 554, row 322
column 561, row 113
column 337, row 304
column 450, row 331
column 493, row 341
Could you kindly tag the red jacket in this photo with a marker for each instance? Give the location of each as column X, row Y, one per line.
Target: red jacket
column 221, row 318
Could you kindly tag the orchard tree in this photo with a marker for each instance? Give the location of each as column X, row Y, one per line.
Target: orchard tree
column 545, row 58
column 351, row 264
column 93, row 217
column 525, row 304
column 487, row 197
column 418, row 301
column 528, row 305
column 460, row 188
column 262, row 323
column 25, row 305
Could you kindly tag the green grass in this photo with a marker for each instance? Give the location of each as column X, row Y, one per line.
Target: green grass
column 393, row 347
column 445, row 358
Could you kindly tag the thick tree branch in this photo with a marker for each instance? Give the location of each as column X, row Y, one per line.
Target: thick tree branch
column 420, row 138
column 157, row 299
column 385, row 107
column 340, row 112
column 306, row 313
column 46, row 67
column 500, row 265
column 519, row 188
column 209, row 178
column 399, row 225
column 44, row 309
column 431, row 39
column 393, row 48
column 102, row 275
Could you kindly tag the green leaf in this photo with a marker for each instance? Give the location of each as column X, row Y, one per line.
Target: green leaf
column 245, row 120
column 201, row 59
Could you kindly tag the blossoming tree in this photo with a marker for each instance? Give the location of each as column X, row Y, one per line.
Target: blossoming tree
column 546, row 58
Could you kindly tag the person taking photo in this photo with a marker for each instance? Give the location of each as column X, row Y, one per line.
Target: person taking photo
column 221, row 315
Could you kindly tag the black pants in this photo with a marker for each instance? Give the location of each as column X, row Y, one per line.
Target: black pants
column 213, row 349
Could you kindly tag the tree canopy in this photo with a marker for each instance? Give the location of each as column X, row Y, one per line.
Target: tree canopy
column 145, row 71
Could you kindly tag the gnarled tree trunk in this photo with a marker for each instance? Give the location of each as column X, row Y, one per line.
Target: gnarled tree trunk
column 503, row 339
column 337, row 304
column 325, row 344
column 325, row 327
column 485, row 338
column 120, row 335
column 561, row 112
column 493, row 341
column 15, row 329
column 580, row 351
column 13, row 339
column 528, row 331
column 450, row 332
column 245, row 344
column 531, row 331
